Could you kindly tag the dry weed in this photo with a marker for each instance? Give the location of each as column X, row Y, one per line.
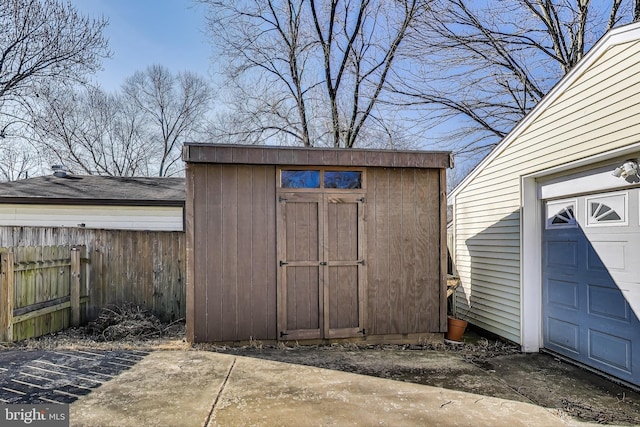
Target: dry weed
column 117, row 327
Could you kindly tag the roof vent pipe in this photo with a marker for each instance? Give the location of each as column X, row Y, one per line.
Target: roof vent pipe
column 59, row 171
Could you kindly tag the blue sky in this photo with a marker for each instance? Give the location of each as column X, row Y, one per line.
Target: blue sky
column 145, row 32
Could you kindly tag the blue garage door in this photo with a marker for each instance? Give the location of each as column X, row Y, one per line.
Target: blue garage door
column 591, row 279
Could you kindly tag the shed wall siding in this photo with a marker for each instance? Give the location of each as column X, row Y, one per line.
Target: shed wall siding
column 234, row 259
column 404, row 224
column 161, row 218
column 597, row 113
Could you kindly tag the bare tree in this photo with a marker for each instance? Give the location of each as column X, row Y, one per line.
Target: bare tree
column 138, row 131
column 237, row 119
column 312, row 73
column 479, row 68
column 91, row 132
column 175, row 108
column 42, row 42
column 17, row 159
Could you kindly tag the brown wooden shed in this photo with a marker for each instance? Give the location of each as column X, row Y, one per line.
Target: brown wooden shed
column 315, row 244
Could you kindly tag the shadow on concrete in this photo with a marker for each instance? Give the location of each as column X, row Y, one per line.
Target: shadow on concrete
column 42, row 377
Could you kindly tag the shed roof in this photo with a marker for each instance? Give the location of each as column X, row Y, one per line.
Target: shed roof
column 89, row 189
column 301, row 156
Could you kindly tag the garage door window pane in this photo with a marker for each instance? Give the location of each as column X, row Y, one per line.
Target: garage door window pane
column 607, row 210
column 561, row 214
column 601, row 212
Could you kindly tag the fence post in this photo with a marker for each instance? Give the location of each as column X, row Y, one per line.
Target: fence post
column 75, row 287
column 85, row 277
column 6, row 296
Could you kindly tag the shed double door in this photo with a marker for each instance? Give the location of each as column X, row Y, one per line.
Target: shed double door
column 321, row 271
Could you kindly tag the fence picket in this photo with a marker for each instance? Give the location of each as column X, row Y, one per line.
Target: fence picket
column 141, row 267
column 6, row 296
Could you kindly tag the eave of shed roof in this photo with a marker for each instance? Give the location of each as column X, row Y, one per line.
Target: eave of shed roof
column 301, row 156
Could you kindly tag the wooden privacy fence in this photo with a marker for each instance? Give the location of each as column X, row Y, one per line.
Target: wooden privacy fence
column 42, row 290
column 139, row 267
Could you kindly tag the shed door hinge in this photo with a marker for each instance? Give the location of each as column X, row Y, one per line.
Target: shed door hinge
column 283, row 263
column 361, row 199
column 363, row 331
column 361, row 262
column 282, row 199
column 283, row 334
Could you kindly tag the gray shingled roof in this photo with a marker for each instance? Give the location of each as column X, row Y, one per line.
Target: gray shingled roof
column 86, row 188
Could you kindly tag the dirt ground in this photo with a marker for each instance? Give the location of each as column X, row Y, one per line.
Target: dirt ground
column 484, row 366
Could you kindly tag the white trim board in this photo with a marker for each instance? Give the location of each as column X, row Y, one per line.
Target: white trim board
column 598, row 179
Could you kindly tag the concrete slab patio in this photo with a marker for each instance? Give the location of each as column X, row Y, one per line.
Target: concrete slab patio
column 166, row 388
column 198, row 388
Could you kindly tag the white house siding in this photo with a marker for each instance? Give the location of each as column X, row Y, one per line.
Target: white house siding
column 106, row 217
column 595, row 111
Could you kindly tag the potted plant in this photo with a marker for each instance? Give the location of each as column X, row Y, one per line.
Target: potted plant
column 455, row 325
column 455, row 329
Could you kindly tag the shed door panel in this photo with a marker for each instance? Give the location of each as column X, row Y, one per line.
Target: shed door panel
column 345, row 277
column 302, row 299
column 299, row 247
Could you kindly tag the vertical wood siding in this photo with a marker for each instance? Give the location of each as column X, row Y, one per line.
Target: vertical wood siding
column 141, row 267
column 231, row 212
column 596, row 113
column 405, row 282
column 232, row 228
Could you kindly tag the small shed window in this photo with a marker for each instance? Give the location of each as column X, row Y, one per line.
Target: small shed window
column 322, row 178
column 301, row 179
column 343, row 179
